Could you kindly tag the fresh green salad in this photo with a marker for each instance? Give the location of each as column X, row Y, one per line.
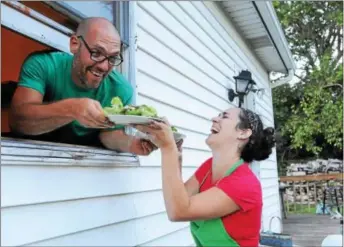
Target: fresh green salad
column 141, row 110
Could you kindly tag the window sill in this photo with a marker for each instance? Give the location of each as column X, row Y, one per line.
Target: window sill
column 28, row 152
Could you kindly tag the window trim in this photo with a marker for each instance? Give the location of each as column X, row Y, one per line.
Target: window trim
column 69, row 12
column 121, row 21
column 126, row 19
column 27, row 152
column 120, row 11
column 39, row 17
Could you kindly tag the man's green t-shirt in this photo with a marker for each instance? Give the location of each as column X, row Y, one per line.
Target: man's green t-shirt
column 50, row 74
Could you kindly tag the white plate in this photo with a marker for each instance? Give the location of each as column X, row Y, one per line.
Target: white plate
column 132, row 131
column 128, row 119
column 177, row 136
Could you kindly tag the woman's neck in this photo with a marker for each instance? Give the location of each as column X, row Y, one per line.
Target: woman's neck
column 222, row 161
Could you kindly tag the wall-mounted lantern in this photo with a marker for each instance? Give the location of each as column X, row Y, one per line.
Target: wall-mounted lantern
column 243, row 85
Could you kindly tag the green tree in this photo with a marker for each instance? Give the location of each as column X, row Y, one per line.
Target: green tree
column 309, row 115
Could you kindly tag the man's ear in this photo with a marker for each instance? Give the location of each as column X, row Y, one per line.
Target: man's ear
column 245, row 134
column 74, row 44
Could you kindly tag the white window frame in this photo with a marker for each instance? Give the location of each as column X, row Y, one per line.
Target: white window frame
column 125, row 22
column 38, row 27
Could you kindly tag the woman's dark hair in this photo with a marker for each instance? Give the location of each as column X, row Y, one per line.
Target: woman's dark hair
column 261, row 142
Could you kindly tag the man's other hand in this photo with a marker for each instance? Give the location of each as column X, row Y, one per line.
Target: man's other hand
column 141, row 147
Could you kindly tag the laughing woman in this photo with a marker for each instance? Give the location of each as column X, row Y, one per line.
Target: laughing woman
column 223, row 199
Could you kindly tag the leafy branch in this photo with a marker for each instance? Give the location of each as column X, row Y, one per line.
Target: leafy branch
column 309, row 115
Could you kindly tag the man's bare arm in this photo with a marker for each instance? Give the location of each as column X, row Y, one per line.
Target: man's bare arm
column 28, row 114
column 116, row 140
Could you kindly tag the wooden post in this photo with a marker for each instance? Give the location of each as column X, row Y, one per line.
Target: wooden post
column 301, row 198
column 315, row 194
column 287, row 200
column 294, row 195
column 324, row 201
column 309, row 198
column 336, row 195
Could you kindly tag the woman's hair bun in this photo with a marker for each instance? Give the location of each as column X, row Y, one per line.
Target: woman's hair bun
column 267, row 141
column 261, row 142
column 269, row 136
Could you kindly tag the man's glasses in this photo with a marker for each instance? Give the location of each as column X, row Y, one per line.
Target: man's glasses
column 98, row 57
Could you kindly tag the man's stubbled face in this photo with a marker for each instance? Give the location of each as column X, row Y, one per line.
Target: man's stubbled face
column 86, row 72
column 89, row 73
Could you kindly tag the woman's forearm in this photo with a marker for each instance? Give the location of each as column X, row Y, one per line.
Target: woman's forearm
column 175, row 195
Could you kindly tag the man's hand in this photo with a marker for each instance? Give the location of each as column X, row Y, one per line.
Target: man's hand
column 118, row 140
column 180, row 150
column 141, row 147
column 89, row 113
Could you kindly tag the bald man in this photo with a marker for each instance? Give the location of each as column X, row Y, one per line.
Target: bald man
column 60, row 96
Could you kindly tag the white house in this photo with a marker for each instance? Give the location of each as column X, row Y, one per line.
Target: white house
column 181, row 57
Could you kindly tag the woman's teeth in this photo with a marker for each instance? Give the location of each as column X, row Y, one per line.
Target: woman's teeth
column 213, row 131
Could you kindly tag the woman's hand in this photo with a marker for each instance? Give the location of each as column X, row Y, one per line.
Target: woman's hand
column 161, row 133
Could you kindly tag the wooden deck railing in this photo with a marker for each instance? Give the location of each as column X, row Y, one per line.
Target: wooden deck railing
column 305, row 192
column 316, row 177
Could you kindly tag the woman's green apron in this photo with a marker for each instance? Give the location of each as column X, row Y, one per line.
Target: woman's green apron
column 212, row 232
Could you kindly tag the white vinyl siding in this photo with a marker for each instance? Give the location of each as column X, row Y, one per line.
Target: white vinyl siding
column 262, row 105
column 79, row 202
column 187, row 55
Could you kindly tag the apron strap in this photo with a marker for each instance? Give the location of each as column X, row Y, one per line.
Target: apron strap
column 230, row 170
column 205, row 177
column 234, row 167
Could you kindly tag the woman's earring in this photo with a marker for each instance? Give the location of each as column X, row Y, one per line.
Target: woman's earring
column 242, row 138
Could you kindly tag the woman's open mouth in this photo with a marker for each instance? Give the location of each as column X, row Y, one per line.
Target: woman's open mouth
column 214, row 131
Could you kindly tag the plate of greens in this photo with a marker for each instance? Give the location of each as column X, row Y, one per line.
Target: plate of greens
column 131, row 115
column 129, row 120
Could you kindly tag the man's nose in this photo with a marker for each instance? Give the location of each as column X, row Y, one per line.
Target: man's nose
column 103, row 66
column 215, row 119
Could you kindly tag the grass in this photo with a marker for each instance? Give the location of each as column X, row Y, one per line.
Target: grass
column 301, row 209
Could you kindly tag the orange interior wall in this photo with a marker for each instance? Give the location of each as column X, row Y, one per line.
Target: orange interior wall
column 14, row 49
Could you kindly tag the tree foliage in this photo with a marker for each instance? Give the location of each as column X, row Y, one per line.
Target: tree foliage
column 309, row 115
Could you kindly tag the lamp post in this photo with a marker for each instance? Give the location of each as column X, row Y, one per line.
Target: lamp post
column 243, row 84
